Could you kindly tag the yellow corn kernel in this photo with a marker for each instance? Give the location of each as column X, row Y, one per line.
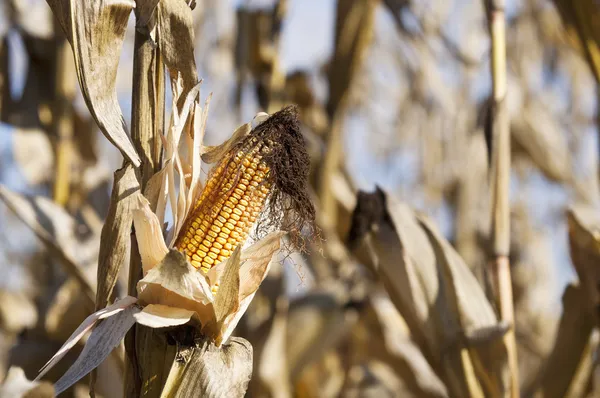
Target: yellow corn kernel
column 232, row 199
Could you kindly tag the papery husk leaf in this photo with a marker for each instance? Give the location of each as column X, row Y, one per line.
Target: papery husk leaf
column 34, row 154
column 46, row 219
column 176, row 283
column 176, row 40
column 115, row 239
column 161, row 316
column 148, row 233
column 156, row 193
column 85, row 326
column 213, row 154
column 218, row 372
column 16, row 385
column 255, row 264
column 227, row 300
column 437, row 295
column 199, row 129
column 96, row 31
column 103, row 339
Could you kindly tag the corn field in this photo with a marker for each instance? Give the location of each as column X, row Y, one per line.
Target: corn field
column 299, row 198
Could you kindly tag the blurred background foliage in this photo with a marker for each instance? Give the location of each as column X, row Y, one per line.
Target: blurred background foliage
column 392, row 93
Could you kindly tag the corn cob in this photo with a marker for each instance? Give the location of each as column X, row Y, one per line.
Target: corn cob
column 233, row 198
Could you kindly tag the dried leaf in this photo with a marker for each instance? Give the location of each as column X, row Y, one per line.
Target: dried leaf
column 42, row 217
column 85, row 326
column 148, row 233
column 176, row 283
column 103, row 339
column 176, row 40
column 218, row 371
column 436, row 293
column 161, row 316
column 227, row 300
column 96, row 30
column 16, row 385
column 116, row 233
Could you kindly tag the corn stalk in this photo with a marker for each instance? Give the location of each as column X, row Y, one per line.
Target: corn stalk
column 500, row 184
column 147, row 124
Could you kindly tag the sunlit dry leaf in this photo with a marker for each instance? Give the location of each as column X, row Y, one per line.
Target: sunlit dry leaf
column 85, row 326
column 218, row 371
column 17, row 312
column 96, row 30
column 176, row 40
column 16, row 385
column 176, row 283
column 42, row 217
column 149, row 236
column 103, row 339
column 161, row 316
column 115, row 238
column 34, row 154
column 227, row 300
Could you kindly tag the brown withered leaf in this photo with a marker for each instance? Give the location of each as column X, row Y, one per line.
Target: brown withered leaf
column 103, row 339
column 16, row 385
column 218, row 371
column 436, row 293
column 96, row 31
column 227, row 300
column 116, row 233
column 572, row 338
column 584, row 242
column 176, row 40
column 47, row 220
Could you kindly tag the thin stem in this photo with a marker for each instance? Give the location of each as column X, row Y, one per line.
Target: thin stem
column 501, row 184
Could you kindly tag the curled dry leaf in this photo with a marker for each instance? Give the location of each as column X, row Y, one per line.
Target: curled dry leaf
column 16, row 385
column 436, row 293
column 96, row 30
column 102, row 341
column 176, row 40
column 115, row 237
